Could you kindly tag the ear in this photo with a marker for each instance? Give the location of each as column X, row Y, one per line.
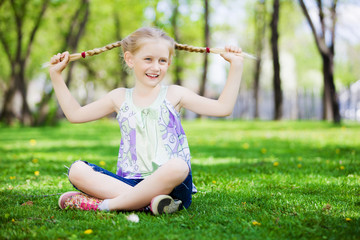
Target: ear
column 129, row 59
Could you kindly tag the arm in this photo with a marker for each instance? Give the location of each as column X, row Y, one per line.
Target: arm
column 70, row 106
column 226, row 102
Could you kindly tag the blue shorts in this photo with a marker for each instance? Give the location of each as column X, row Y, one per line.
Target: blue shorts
column 181, row 192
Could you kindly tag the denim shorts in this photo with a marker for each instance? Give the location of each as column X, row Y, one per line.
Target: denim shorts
column 181, row 192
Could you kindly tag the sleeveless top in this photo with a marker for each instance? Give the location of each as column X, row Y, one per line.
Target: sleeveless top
column 150, row 137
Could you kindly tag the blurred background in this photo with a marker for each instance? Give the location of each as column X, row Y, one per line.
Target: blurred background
column 307, row 67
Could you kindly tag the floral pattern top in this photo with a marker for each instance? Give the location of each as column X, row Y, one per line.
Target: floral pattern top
column 150, row 137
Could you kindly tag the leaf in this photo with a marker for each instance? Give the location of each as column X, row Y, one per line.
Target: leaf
column 28, row 203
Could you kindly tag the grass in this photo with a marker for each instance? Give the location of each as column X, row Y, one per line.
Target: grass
column 256, row 180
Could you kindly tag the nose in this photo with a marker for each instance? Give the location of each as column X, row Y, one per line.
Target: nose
column 155, row 66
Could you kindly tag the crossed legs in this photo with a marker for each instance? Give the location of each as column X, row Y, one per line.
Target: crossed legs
column 123, row 196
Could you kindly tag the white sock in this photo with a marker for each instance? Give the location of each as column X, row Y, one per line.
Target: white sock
column 104, row 206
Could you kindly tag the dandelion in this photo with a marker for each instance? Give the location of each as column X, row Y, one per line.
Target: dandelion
column 32, row 142
column 245, row 146
column 342, row 167
column 88, row 231
column 102, row 163
column 133, row 218
column 12, row 177
column 263, row 150
column 13, row 220
column 276, row 164
column 348, row 219
column 214, row 182
column 256, row 223
column 299, row 165
column 37, row 173
column 35, row 160
column 243, row 203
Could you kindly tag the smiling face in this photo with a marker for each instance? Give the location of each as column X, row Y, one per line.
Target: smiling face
column 151, row 62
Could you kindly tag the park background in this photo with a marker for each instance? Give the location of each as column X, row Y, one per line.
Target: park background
column 285, row 164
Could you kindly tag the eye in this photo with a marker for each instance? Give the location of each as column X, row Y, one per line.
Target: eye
column 147, row 59
column 163, row 61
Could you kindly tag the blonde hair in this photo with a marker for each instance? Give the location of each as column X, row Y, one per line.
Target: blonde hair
column 134, row 41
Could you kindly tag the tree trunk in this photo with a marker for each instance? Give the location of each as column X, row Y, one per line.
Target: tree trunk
column 276, row 63
column 123, row 75
column 18, row 60
column 260, row 26
column 207, row 44
column 176, row 60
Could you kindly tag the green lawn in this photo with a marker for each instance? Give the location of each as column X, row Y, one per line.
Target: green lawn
column 256, row 180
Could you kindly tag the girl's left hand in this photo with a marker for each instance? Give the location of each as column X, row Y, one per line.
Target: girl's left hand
column 230, row 56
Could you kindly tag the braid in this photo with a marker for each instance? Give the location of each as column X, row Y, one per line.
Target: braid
column 188, row 48
column 95, row 51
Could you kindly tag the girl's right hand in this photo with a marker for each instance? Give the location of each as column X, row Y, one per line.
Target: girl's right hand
column 59, row 62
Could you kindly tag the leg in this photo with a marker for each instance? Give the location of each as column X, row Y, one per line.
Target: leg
column 95, row 183
column 162, row 181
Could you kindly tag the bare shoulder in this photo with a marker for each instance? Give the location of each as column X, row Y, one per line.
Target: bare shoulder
column 117, row 96
column 175, row 94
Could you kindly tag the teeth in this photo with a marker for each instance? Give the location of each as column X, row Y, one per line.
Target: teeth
column 152, row 75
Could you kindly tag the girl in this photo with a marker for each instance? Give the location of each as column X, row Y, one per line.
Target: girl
column 153, row 169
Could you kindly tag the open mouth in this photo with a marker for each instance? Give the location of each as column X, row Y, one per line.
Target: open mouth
column 152, row 75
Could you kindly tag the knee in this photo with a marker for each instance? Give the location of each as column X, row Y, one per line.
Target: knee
column 76, row 170
column 178, row 170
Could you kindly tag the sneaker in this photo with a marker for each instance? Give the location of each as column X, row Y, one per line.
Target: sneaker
column 80, row 201
column 64, row 197
column 164, row 204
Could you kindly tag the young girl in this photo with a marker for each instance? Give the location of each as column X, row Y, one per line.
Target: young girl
column 153, row 169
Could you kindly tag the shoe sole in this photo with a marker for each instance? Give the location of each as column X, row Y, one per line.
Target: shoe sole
column 66, row 195
column 164, row 204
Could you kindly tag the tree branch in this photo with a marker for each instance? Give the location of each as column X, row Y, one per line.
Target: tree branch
column 320, row 43
column 36, row 26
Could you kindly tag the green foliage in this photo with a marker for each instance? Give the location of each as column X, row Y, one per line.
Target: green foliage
column 256, row 180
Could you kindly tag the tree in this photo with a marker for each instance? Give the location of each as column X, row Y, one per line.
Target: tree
column 260, row 27
column 278, row 98
column 175, row 28
column 17, row 42
column 325, row 42
column 72, row 38
column 207, row 44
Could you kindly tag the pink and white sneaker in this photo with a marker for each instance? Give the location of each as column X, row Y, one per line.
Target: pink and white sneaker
column 77, row 200
column 164, row 204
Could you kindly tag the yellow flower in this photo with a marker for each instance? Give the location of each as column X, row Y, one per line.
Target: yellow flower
column 245, row 146
column 263, row 150
column 13, row 220
column 276, row 164
column 299, row 165
column 342, row 167
column 255, row 223
column 88, row 231
column 37, row 173
column 12, row 177
column 348, row 219
column 35, row 160
column 32, row 142
column 214, row 182
column 244, row 203
column 102, row 163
